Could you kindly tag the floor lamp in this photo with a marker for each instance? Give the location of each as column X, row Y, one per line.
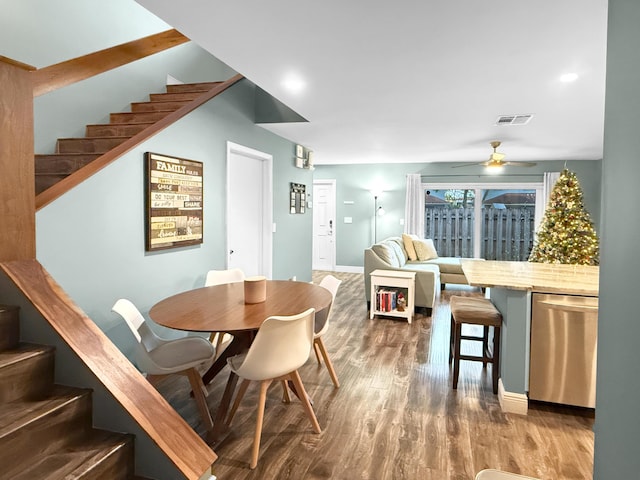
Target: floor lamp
column 378, row 211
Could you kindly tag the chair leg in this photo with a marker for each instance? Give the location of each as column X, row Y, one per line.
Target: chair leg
column 239, row 395
column 456, row 353
column 197, row 387
column 319, row 344
column 218, row 338
column 264, row 385
column 302, row 394
column 286, row 398
column 315, row 350
column 495, row 367
column 452, row 327
column 485, row 345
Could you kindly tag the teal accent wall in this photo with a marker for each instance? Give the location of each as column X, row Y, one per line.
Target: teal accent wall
column 515, row 307
column 617, row 423
column 354, row 184
column 92, row 239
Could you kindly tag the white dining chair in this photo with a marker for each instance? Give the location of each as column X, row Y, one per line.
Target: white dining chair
column 281, row 346
column 158, row 357
column 220, row 277
column 331, row 283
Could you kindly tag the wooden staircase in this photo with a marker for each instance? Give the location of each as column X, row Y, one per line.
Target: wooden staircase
column 73, row 154
column 46, row 429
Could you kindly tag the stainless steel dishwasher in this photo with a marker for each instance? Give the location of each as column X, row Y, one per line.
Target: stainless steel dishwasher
column 564, row 332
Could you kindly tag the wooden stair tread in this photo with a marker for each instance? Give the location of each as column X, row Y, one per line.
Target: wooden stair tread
column 89, row 144
column 9, row 326
column 23, row 352
column 62, row 163
column 70, row 154
column 81, row 460
column 123, row 137
column 141, row 117
column 191, row 87
column 169, row 97
column 17, row 414
column 132, row 124
column 156, row 106
column 26, row 372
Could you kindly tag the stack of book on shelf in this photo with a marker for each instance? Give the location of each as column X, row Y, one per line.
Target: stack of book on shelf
column 386, row 300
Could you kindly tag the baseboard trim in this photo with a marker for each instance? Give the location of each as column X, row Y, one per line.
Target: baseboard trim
column 349, row 269
column 510, row 402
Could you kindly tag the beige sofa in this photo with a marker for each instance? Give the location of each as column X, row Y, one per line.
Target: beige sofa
column 390, row 254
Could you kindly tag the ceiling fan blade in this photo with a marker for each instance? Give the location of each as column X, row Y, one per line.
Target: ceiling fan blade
column 469, row 164
column 520, row 164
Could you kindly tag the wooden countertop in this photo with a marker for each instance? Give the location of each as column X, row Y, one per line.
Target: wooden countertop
column 536, row 277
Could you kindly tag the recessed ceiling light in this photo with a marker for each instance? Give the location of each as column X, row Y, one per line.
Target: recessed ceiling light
column 569, row 77
column 293, row 83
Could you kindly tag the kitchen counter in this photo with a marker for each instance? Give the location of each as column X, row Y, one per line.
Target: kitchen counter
column 511, row 286
column 534, row 277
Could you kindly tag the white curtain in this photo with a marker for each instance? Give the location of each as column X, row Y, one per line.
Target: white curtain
column 414, row 206
column 550, row 179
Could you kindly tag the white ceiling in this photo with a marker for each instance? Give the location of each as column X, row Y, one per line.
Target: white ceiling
column 417, row 80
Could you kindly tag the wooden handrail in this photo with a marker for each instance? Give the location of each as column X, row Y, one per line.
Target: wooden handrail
column 179, row 442
column 71, row 71
column 67, row 183
column 16, row 63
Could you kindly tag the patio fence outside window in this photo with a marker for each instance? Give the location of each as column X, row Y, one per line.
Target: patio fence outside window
column 507, row 232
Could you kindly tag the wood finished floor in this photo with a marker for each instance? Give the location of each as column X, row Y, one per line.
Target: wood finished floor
column 395, row 415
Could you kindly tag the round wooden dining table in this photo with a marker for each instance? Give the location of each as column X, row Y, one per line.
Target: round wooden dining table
column 221, row 308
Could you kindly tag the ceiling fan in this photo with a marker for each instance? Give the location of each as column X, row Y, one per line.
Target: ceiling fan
column 496, row 160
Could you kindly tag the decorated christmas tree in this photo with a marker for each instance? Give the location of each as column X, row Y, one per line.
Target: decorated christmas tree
column 566, row 233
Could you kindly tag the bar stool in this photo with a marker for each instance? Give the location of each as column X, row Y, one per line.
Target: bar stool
column 475, row 311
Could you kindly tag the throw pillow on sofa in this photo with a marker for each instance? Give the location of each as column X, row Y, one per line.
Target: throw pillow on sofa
column 396, row 245
column 425, row 250
column 407, row 241
column 387, row 254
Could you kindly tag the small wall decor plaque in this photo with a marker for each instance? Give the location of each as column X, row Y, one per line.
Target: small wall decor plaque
column 297, row 197
column 173, row 202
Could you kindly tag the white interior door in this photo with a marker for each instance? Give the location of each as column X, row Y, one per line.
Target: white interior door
column 324, row 223
column 249, row 210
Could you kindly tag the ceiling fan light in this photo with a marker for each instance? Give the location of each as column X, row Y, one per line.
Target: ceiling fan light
column 494, row 168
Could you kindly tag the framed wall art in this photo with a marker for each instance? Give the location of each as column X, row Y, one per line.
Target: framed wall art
column 173, row 202
column 297, row 197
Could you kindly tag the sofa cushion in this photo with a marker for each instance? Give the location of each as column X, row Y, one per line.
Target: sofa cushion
column 447, row 264
column 425, row 250
column 386, row 252
column 398, row 248
column 407, row 241
column 422, row 267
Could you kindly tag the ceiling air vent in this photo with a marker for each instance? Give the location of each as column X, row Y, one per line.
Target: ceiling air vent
column 513, row 119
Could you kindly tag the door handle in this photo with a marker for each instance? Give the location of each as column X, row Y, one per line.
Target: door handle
column 330, row 227
column 230, row 252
